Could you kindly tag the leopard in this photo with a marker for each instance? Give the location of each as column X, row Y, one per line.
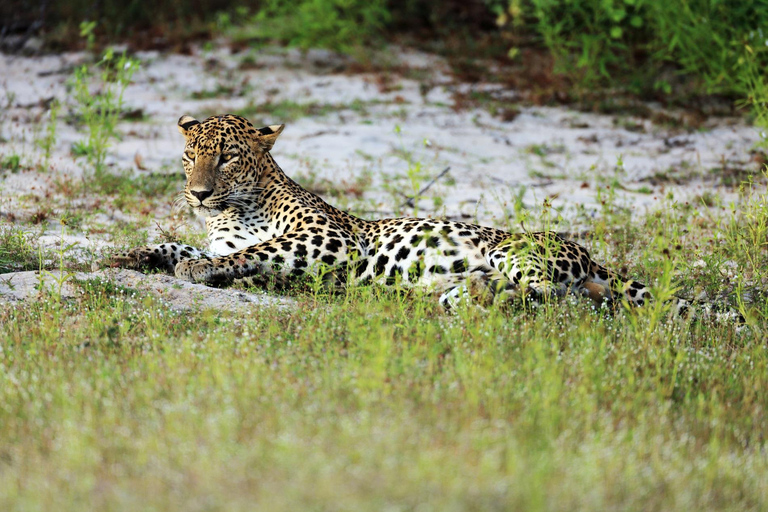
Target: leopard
column 263, row 227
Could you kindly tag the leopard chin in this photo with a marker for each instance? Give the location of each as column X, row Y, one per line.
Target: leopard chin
column 205, row 211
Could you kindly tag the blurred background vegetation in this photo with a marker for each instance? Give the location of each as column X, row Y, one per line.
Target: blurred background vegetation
column 566, row 50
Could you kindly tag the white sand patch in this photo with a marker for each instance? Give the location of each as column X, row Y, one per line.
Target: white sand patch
column 174, row 293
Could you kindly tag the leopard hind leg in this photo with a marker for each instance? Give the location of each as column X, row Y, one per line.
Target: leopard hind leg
column 605, row 287
column 482, row 286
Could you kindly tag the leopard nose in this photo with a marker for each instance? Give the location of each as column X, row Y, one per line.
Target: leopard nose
column 201, row 194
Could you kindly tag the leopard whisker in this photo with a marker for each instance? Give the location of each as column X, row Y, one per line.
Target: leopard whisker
column 179, row 202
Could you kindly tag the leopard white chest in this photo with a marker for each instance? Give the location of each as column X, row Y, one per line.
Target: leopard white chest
column 229, row 232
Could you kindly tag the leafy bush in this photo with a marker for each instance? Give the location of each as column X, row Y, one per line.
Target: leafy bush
column 114, row 17
column 600, row 40
column 335, row 24
column 651, row 46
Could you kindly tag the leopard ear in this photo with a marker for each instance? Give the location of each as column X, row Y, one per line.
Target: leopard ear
column 186, row 123
column 267, row 136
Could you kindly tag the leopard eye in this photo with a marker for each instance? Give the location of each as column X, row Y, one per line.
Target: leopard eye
column 226, row 157
column 190, row 154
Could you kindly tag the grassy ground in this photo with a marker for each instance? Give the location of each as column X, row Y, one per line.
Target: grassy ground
column 374, row 399
column 364, row 404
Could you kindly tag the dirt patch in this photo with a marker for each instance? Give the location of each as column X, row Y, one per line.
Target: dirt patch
column 173, row 293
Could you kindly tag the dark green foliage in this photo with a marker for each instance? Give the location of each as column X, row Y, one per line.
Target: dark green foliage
column 706, row 45
column 115, row 18
column 335, row 24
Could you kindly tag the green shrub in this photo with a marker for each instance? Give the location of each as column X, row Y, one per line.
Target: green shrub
column 599, row 40
column 121, row 18
column 339, row 25
column 651, row 46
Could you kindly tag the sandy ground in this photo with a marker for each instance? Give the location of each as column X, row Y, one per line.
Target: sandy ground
column 177, row 295
column 367, row 129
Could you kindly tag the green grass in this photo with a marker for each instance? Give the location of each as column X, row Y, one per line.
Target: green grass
column 146, row 185
column 373, row 399
column 10, row 163
column 341, row 25
column 101, row 112
column 123, row 186
column 18, row 250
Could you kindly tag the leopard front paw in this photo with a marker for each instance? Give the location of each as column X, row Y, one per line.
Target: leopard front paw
column 140, row 258
column 197, row 271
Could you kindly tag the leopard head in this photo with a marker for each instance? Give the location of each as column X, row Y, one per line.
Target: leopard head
column 223, row 158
